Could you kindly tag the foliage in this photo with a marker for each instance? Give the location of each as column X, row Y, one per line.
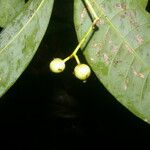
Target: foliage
column 118, row 51
column 20, row 39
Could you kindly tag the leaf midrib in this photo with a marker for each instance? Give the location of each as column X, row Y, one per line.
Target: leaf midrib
column 40, row 5
column 101, row 11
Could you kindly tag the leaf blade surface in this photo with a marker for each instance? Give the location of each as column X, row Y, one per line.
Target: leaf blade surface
column 119, row 51
column 20, row 40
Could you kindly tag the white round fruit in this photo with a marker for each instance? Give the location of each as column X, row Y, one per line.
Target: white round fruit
column 57, row 65
column 82, row 71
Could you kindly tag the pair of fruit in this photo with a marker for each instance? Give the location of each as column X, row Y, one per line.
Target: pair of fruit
column 81, row 71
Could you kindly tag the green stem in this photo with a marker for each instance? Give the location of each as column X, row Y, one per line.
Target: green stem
column 77, row 59
column 83, row 40
column 90, row 7
column 80, row 44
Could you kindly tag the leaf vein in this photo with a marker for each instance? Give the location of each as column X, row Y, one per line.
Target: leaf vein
column 4, row 48
column 101, row 11
column 142, row 88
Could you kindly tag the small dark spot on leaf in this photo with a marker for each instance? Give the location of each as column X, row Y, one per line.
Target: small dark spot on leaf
column 121, row 5
column 125, row 13
column 117, row 62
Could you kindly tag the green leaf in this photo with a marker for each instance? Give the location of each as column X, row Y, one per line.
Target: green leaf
column 119, row 51
column 20, row 40
column 143, row 3
column 9, row 9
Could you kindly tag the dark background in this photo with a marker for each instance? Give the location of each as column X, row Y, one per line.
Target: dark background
column 47, row 111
